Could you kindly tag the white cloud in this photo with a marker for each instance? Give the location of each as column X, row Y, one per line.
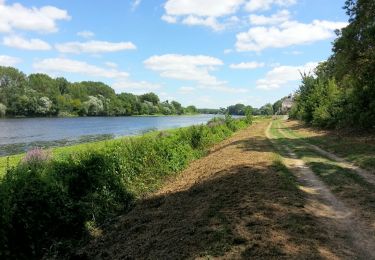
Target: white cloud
column 137, row 87
column 206, row 21
column 261, row 5
column 9, row 61
column 169, row 18
column 86, row 34
column 279, row 17
column 247, row 65
column 25, row 44
column 191, row 68
column 62, row 65
column 223, row 88
column 283, row 75
column 94, row 47
column 207, row 8
column 111, row 64
column 43, row 19
column 202, row 13
column 185, row 67
column 286, row 34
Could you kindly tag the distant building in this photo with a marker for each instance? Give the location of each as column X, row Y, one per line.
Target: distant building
column 287, row 104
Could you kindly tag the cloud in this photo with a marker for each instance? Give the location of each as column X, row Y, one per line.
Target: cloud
column 283, row 75
column 261, row 5
column 202, row 13
column 286, row 34
column 137, row 87
column 169, row 19
column 62, row 65
column 9, row 61
column 26, row 44
column 191, row 68
column 207, row 8
column 111, row 64
column 247, row 65
column 279, row 17
column 43, row 19
column 86, row 34
column 224, row 88
column 206, row 21
column 185, row 67
column 94, row 47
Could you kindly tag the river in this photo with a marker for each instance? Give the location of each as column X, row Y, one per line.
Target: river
column 21, row 134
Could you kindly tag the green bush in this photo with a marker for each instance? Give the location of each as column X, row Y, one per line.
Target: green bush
column 47, row 201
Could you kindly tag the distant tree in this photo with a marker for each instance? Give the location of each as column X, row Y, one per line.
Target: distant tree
column 238, row 109
column 44, row 106
column 151, row 97
column 277, row 106
column 94, row 106
column 191, row 110
column 267, row 110
column 3, row 110
column 249, row 114
column 177, row 107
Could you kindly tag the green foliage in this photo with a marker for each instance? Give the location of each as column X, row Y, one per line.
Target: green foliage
column 41, row 95
column 266, row 110
column 342, row 91
column 249, row 115
column 46, row 201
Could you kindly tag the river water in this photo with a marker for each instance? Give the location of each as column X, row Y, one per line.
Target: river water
column 21, row 134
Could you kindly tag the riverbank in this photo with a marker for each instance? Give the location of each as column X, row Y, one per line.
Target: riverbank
column 85, row 186
column 21, row 135
column 260, row 194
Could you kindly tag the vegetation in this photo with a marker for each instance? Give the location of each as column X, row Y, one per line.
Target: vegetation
column 341, row 92
column 81, row 190
column 41, row 95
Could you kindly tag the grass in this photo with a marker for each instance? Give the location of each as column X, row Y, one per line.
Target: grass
column 7, row 162
column 85, row 185
column 357, row 148
column 345, row 183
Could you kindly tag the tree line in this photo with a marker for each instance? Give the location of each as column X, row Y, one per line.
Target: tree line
column 341, row 91
column 40, row 95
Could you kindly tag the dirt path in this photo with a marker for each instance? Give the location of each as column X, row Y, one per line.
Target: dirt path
column 236, row 203
column 341, row 162
column 322, row 203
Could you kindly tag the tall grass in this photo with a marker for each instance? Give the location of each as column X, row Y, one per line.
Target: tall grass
column 47, row 203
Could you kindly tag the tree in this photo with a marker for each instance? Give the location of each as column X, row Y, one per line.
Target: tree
column 191, row 110
column 94, row 106
column 150, row 97
column 3, row 110
column 267, row 110
column 238, row 109
column 177, row 107
column 249, row 114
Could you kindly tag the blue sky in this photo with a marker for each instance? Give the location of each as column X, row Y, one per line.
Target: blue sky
column 210, row 53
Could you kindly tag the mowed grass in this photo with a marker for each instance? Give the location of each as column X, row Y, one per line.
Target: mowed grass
column 354, row 147
column 345, row 183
